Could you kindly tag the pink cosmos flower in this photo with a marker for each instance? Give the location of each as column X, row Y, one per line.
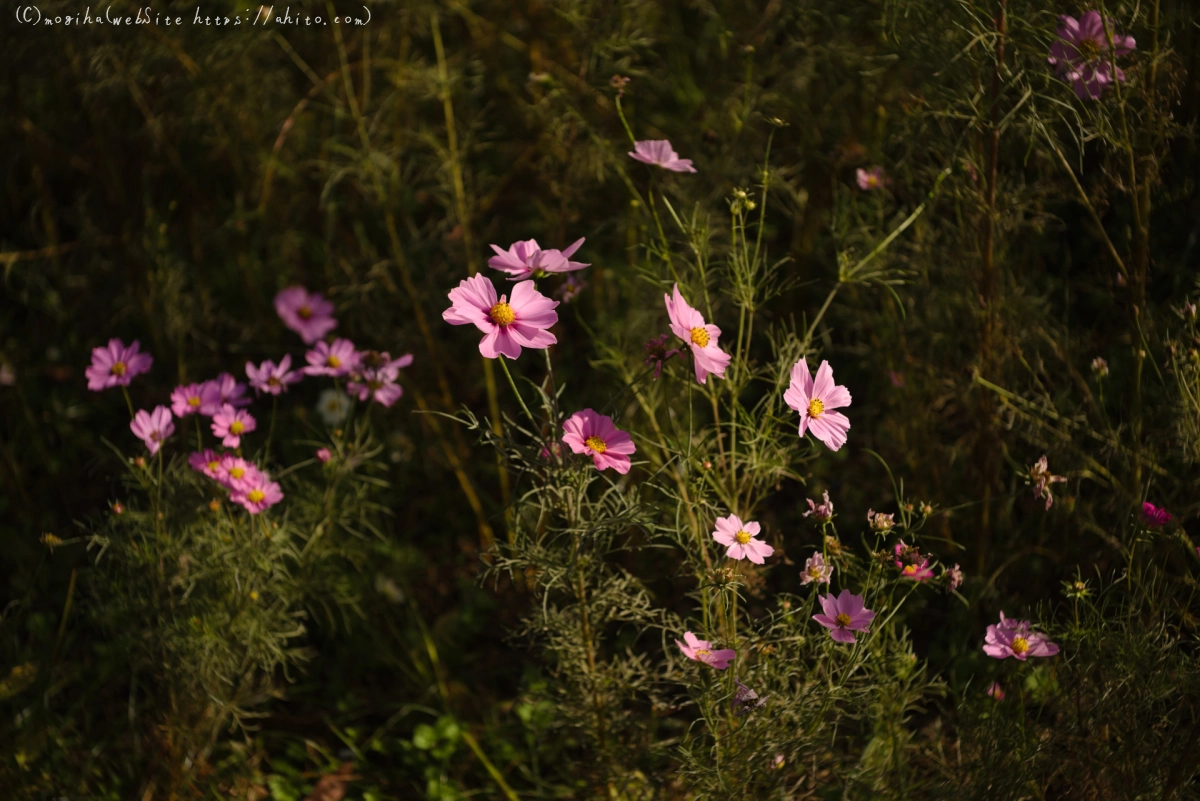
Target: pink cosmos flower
column 208, row 463
column 871, row 179
column 593, row 433
column 660, row 153
column 272, row 378
column 1041, row 479
column 234, row 471
column 257, row 493
column 995, row 691
column 657, row 353
column 525, row 259
column 195, row 399
column 569, row 289
column 116, row 365
column 688, row 324
column 700, row 650
column 823, row 512
column 1014, row 638
column 954, row 577
column 377, row 377
column 815, row 569
column 816, row 400
column 1100, row 367
column 878, row 521
column 507, row 326
column 844, row 615
column 231, row 424
column 911, row 564
column 308, row 314
column 152, row 427
column 1082, row 55
column 1153, row 516
column 335, row 360
column 323, row 455
column 228, row 391
column 739, row 537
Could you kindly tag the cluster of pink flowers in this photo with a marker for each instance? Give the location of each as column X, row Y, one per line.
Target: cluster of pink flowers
column 248, row 486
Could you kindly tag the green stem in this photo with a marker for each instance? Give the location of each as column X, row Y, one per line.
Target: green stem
column 625, row 122
column 504, row 364
column 128, row 400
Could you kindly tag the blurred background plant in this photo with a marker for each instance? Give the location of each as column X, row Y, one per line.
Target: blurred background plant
column 997, row 268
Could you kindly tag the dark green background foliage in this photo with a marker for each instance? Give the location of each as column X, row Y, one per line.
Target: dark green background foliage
column 164, row 183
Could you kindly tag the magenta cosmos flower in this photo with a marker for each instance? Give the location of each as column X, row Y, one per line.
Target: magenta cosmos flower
column 700, row 650
column 229, row 391
column 823, row 511
column 377, row 377
column 1082, row 56
column 272, row 378
column 911, row 564
column 739, row 537
column 1153, row 516
column 308, row 314
column 234, row 471
column 995, row 691
column 335, row 360
column 688, row 324
column 815, row 569
column 507, row 326
column 525, row 259
column 202, row 399
column 593, row 433
column 844, row 615
column 1013, row 638
column 660, row 153
column 257, row 492
column 152, row 427
column 816, row 400
column 231, row 424
column 115, row 365
column 206, row 462
column 870, row 179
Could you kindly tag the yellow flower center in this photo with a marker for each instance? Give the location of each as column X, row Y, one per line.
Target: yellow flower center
column 700, row 337
column 742, row 537
column 1088, row 49
column 213, row 465
column 502, row 314
column 814, row 572
column 333, row 361
column 816, row 408
column 843, row 619
column 596, row 444
column 909, row 570
column 237, row 472
column 193, row 402
column 236, row 427
column 703, row 652
column 118, row 368
column 1020, row 645
column 255, row 496
column 872, row 180
column 272, row 381
column 304, row 312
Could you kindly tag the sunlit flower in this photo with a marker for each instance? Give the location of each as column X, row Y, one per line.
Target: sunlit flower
column 507, row 325
column 910, row 562
column 1153, row 516
column 879, row 521
column 526, row 259
column 816, row 569
column 272, row 378
column 844, row 615
column 377, row 376
column 231, row 424
column 334, row 360
column 235, row 472
column 202, row 399
column 816, row 400
column 1041, row 479
column 333, row 406
column 995, row 691
column 257, row 493
column 1014, row 638
column 657, row 353
column 590, row 432
column 207, row 462
column 660, row 153
column 702, row 651
column 152, row 427
column 822, row 512
column 1082, row 55
column 115, row 365
column 744, row 699
column 740, row 539
column 308, row 314
column 688, row 324
column 870, row 179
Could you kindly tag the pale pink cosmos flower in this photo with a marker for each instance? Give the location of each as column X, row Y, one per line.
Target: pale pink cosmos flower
column 1014, row 638
column 507, row 325
column 844, row 615
column 308, row 314
column 231, row 424
column 911, row 564
column 700, row 650
column 739, row 539
column 257, row 492
column 195, row 399
column 1082, row 55
column 323, row 455
column 377, row 376
column 816, row 569
column 207, row 462
column 590, row 432
column 823, row 511
column 1041, row 479
column 116, row 365
column 272, row 378
column 995, row 691
column 870, row 179
column 335, row 360
column 526, row 259
column 954, row 577
column 878, row 521
column 152, row 427
column 816, row 400
column 234, row 472
column 660, row 153
column 688, row 324
column 229, row 390
column 1153, row 516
